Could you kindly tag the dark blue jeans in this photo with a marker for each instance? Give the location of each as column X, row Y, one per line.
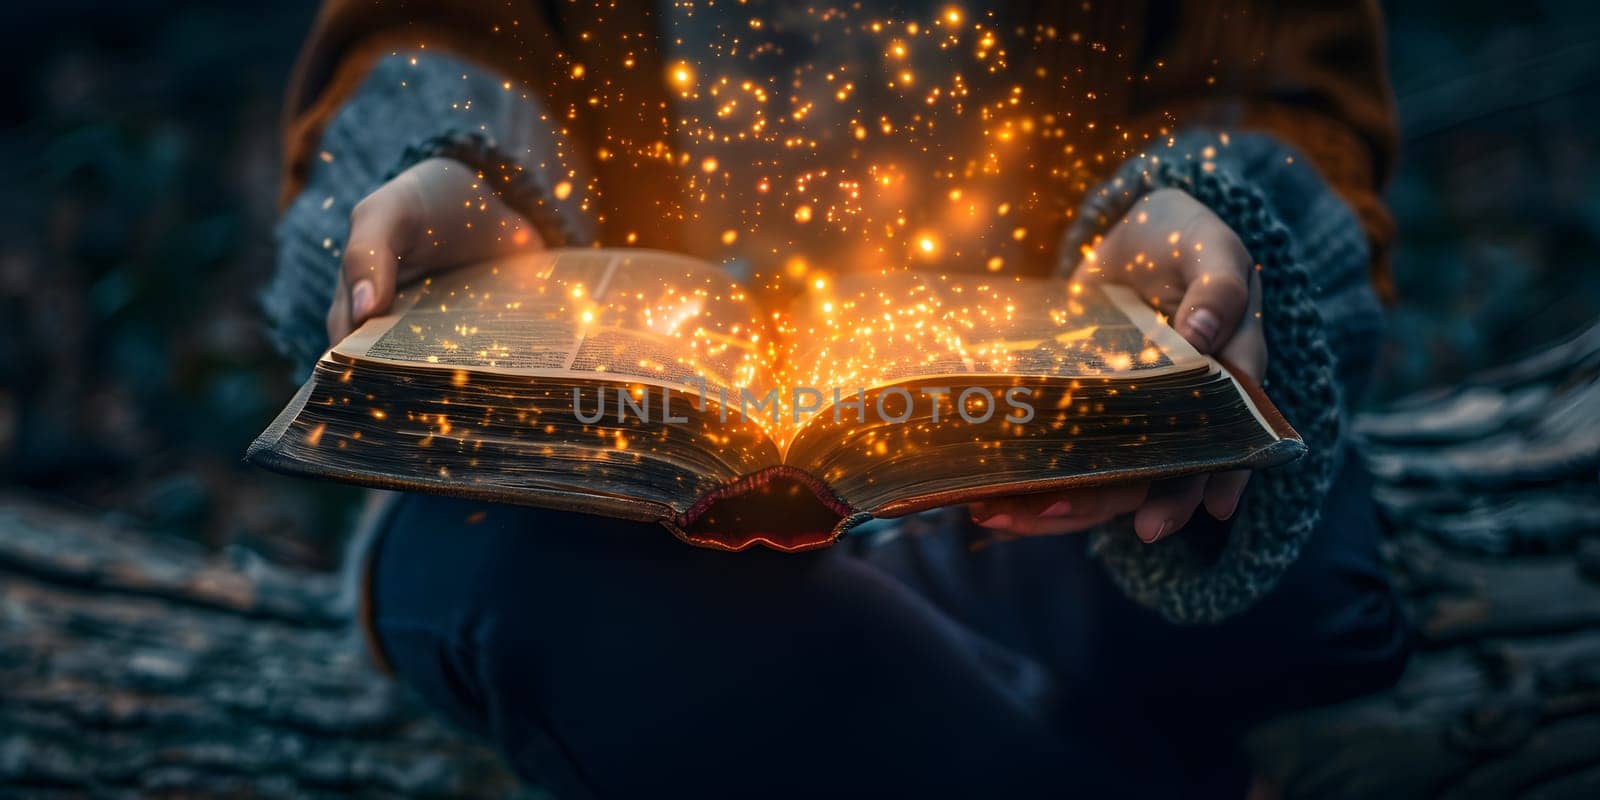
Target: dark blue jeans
column 606, row 658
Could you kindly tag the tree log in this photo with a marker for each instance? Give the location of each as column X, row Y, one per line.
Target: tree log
column 132, row 664
column 1490, row 490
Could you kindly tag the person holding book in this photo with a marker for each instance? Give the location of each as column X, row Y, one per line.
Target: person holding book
column 1220, row 159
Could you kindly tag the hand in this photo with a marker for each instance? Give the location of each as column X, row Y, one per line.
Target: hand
column 433, row 216
column 1189, row 264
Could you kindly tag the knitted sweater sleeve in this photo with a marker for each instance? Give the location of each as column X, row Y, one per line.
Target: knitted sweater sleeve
column 1322, row 322
column 409, row 105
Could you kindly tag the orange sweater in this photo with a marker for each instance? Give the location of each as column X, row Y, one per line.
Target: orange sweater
column 1311, row 73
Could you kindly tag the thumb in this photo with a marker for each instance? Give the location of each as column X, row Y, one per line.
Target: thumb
column 460, row 220
column 432, row 216
column 382, row 230
column 1216, row 293
column 1247, row 348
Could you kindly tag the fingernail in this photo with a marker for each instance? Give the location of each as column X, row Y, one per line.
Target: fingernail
column 362, row 299
column 1204, row 324
column 996, row 521
column 1165, row 524
column 1059, row 508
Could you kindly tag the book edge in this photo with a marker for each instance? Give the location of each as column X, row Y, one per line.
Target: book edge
column 1288, row 447
column 263, row 449
column 1279, row 452
column 1262, row 404
column 264, row 452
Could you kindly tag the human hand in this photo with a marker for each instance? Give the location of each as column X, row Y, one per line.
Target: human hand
column 1184, row 260
column 433, row 216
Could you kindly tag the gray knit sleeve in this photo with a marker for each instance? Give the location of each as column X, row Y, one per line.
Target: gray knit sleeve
column 408, row 99
column 1322, row 322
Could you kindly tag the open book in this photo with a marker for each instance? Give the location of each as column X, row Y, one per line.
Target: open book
column 651, row 386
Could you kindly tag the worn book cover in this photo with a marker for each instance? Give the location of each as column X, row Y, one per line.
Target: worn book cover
column 652, row 386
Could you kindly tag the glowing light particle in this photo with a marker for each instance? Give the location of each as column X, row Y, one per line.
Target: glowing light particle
column 682, row 75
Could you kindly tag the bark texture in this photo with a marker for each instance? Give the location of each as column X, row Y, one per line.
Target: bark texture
column 132, row 664
column 1492, row 493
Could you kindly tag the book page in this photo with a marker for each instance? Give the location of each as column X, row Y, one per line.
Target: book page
column 959, row 387
column 626, row 315
column 877, row 330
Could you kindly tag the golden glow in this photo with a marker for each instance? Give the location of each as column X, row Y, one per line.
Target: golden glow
column 941, row 145
column 838, row 158
column 661, row 320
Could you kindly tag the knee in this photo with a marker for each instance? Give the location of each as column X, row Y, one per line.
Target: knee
column 1358, row 648
column 427, row 663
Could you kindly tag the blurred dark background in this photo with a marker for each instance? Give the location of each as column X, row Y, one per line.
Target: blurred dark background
column 139, row 145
